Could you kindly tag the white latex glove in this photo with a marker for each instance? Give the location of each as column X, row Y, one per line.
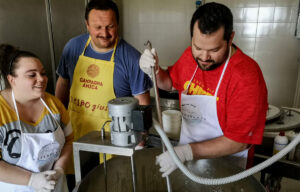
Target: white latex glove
column 58, row 173
column 39, row 181
column 166, row 163
column 149, row 59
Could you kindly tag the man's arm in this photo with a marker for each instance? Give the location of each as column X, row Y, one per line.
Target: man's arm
column 144, row 99
column 218, row 147
column 164, row 80
column 62, row 90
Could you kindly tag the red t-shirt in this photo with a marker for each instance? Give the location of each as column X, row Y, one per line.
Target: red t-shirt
column 242, row 97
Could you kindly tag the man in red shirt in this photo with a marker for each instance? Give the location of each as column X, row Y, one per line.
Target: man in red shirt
column 222, row 91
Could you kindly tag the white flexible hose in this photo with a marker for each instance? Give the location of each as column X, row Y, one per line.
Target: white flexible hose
column 224, row 180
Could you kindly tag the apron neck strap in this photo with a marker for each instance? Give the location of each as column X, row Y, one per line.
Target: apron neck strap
column 16, row 109
column 113, row 54
column 51, row 113
column 187, row 88
column 224, row 69
column 223, row 72
column 112, row 59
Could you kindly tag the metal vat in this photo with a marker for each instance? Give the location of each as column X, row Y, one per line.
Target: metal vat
column 149, row 178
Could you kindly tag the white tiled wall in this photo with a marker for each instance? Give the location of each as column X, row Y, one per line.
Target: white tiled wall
column 264, row 30
column 164, row 22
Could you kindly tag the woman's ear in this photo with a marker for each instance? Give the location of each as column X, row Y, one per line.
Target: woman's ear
column 10, row 79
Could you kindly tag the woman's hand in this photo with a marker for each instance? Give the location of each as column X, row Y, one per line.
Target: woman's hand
column 40, row 181
column 58, row 173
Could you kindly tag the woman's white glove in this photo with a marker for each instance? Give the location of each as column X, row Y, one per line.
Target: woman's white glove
column 149, row 59
column 39, row 181
column 58, row 173
column 167, row 164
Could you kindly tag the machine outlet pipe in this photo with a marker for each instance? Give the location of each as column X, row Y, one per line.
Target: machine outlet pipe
column 159, row 116
column 224, row 180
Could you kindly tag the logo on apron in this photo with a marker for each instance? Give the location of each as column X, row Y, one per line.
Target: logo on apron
column 50, row 151
column 191, row 112
column 93, row 71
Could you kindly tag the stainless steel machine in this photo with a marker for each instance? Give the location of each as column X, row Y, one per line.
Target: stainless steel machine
column 120, row 111
column 129, row 121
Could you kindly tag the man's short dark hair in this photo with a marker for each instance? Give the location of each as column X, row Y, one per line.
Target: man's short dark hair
column 212, row 16
column 101, row 5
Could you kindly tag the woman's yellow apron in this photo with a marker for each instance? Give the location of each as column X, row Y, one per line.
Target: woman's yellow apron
column 91, row 89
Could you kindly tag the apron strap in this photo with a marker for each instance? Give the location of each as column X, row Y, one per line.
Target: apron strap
column 85, row 46
column 51, row 113
column 220, row 80
column 16, row 109
column 187, row 88
column 223, row 72
column 112, row 59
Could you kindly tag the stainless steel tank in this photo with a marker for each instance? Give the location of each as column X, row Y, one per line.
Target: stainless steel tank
column 149, row 178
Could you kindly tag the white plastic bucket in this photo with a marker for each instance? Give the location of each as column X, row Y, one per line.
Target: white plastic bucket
column 171, row 120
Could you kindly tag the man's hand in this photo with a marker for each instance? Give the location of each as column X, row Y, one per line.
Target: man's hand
column 149, row 59
column 39, row 181
column 166, row 163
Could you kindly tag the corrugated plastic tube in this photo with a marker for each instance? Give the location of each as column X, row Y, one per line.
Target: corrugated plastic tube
column 224, row 180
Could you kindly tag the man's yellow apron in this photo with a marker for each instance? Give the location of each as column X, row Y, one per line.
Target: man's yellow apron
column 91, row 89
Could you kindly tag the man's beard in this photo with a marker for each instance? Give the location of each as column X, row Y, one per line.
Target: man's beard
column 214, row 64
column 210, row 67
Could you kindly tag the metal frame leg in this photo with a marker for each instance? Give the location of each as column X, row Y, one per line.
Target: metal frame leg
column 105, row 171
column 133, row 172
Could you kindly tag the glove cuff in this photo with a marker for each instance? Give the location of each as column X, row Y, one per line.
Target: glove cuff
column 30, row 179
column 59, row 169
column 187, row 151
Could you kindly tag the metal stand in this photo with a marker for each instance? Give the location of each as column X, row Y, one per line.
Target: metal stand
column 94, row 143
